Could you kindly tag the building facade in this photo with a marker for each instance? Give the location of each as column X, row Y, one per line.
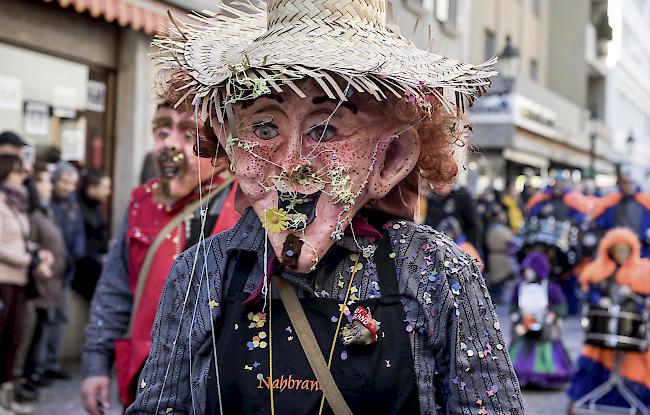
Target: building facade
column 627, row 108
column 76, row 75
column 535, row 118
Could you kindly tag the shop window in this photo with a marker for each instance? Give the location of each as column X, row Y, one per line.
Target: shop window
column 534, row 70
column 537, row 7
column 446, row 11
column 489, row 46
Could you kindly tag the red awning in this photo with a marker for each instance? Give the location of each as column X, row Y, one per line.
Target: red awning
column 147, row 15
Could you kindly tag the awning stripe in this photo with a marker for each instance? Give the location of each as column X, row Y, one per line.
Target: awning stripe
column 148, row 16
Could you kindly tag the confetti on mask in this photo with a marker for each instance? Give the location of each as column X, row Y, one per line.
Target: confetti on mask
column 334, row 319
column 256, row 364
column 289, row 329
column 213, row 304
column 470, row 353
column 236, row 326
column 494, row 389
column 168, row 410
column 289, row 338
column 387, row 363
column 409, row 328
column 260, row 376
column 249, row 368
column 143, row 384
column 344, row 355
column 497, row 326
column 392, row 255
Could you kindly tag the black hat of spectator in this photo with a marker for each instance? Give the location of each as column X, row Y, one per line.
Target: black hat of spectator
column 11, row 138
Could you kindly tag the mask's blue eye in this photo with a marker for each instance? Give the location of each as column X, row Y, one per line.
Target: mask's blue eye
column 266, row 131
column 322, row 133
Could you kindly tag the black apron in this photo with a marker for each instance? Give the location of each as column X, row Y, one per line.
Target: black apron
column 378, row 378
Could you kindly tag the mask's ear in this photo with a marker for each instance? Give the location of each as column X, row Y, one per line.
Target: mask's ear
column 397, row 161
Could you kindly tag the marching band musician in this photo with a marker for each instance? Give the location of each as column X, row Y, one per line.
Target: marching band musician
column 561, row 203
column 538, row 305
column 618, row 279
column 628, row 207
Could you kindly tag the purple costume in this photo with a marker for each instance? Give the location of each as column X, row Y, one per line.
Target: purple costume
column 538, row 355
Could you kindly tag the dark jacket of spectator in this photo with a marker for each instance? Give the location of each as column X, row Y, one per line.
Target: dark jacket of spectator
column 461, row 205
column 68, row 216
column 45, row 232
column 89, row 267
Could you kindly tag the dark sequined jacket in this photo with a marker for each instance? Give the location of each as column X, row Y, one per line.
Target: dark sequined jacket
column 461, row 361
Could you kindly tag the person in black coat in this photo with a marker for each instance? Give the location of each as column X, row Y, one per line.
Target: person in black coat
column 94, row 192
column 460, row 205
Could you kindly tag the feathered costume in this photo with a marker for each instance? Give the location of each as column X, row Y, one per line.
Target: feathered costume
column 571, row 206
column 617, row 209
column 537, row 353
column 596, row 362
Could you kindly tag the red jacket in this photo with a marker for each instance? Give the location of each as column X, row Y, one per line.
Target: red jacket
column 146, row 220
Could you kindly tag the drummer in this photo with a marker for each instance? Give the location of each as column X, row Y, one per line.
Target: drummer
column 629, row 206
column 618, row 263
column 559, row 201
column 563, row 204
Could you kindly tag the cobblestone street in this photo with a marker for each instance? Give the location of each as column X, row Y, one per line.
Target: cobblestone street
column 63, row 397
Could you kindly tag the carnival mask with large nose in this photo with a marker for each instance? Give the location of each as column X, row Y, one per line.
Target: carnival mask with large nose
column 307, row 165
column 178, row 168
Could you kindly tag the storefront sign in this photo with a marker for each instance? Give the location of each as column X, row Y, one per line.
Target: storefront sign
column 65, row 102
column 11, row 93
column 37, row 118
column 96, row 96
column 73, row 144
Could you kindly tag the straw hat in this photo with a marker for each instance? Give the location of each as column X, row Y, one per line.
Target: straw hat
column 218, row 58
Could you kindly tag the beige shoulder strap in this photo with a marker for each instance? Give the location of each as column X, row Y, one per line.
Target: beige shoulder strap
column 311, row 348
column 151, row 252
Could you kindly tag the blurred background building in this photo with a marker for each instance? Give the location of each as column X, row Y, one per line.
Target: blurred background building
column 627, row 107
column 545, row 110
column 77, row 75
column 573, row 94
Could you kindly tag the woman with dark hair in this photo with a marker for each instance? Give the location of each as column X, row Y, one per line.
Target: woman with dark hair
column 325, row 296
column 45, row 232
column 15, row 260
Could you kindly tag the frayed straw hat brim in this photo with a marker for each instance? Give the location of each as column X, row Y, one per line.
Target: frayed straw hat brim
column 228, row 58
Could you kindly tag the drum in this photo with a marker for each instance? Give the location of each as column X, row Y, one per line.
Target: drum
column 561, row 236
column 614, row 328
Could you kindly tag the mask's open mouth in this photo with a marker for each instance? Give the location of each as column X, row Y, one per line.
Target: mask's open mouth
column 171, row 164
column 299, row 203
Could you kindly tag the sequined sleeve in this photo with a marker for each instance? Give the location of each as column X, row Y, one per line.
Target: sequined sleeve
column 462, row 363
column 480, row 376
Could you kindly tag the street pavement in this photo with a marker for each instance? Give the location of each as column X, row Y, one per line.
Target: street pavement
column 62, row 398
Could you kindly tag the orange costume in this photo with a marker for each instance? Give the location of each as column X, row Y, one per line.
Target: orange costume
column 596, row 362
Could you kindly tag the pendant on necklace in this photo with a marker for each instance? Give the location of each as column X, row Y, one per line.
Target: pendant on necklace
column 362, row 330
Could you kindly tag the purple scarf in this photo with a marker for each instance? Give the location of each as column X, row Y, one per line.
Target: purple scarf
column 16, row 197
